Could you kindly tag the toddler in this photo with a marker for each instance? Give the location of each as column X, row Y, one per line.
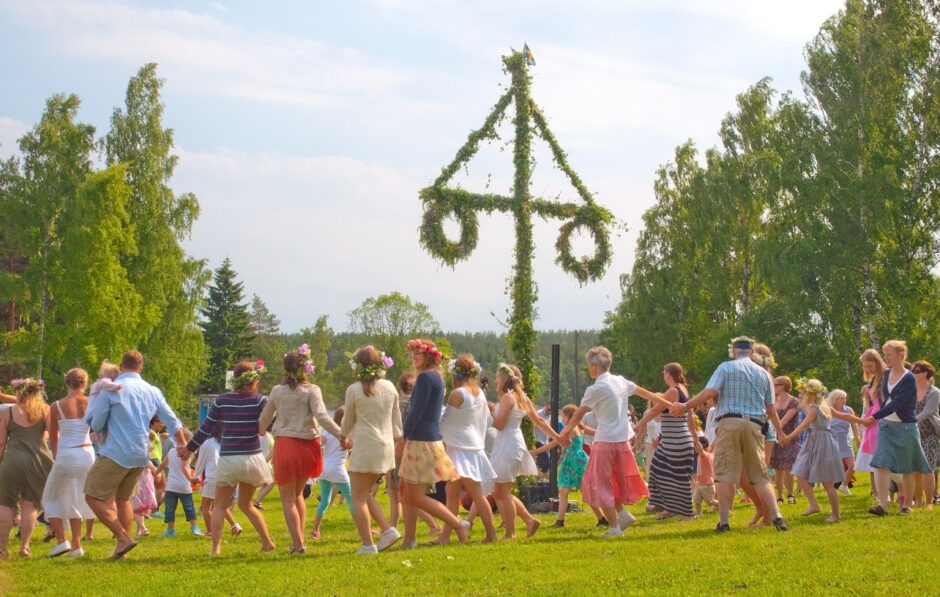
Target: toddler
column 704, row 488
column 179, row 478
column 207, row 460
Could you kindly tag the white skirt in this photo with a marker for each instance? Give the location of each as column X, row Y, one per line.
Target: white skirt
column 233, row 469
column 472, row 464
column 208, row 490
column 863, row 462
column 64, row 494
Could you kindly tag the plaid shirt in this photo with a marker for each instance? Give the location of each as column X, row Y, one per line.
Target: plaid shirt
column 744, row 387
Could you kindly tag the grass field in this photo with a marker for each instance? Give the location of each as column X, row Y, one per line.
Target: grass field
column 864, row 555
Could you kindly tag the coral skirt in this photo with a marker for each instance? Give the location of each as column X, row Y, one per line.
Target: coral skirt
column 612, row 476
column 425, row 463
column 296, row 458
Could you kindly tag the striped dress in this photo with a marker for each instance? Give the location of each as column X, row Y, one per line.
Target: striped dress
column 670, row 481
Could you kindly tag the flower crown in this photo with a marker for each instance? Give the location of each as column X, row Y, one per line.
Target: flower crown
column 373, row 371
column 460, row 372
column 764, row 360
column 419, row 346
column 304, row 351
column 507, row 371
column 742, row 340
column 27, row 384
column 811, row 386
column 248, row 377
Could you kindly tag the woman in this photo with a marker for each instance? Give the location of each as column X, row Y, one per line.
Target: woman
column 670, row 478
column 873, row 369
column 783, row 457
column 840, row 430
column 64, row 496
column 423, row 459
column 463, row 430
column 511, row 456
column 25, row 461
column 898, row 449
column 241, row 463
column 928, row 424
column 298, row 406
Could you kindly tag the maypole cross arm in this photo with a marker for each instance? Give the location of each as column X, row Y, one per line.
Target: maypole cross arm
column 441, row 202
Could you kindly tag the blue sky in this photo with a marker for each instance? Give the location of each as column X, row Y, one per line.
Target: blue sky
column 306, row 129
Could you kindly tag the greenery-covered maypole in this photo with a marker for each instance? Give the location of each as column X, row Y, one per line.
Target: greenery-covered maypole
column 441, row 202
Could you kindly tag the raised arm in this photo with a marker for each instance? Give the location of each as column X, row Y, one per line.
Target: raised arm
column 659, row 399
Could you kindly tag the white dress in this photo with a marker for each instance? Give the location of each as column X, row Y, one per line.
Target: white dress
column 463, row 430
column 64, row 494
column 511, row 457
column 334, row 460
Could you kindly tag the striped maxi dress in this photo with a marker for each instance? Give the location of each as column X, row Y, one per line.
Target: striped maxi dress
column 670, row 481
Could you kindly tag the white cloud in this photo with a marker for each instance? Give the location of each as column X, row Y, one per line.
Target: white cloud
column 218, row 6
column 10, row 132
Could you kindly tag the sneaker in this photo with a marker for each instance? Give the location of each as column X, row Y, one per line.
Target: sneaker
column 169, row 533
column 780, row 524
column 76, row 553
column 698, row 515
column 559, row 524
column 612, row 532
column 877, row 510
column 411, row 545
column 258, row 505
column 844, row 490
column 236, row 530
column 156, row 514
column 722, row 528
column 60, row 549
column 367, row 550
column 602, row 523
column 388, row 539
column 625, row 519
column 195, row 530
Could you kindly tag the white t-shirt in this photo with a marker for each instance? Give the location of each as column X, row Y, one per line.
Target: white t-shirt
column 176, row 481
column 608, row 398
column 653, row 429
column 207, row 460
column 334, row 460
column 589, row 419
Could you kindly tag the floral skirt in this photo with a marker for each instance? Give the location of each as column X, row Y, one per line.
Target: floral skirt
column 612, row 476
column 426, row 462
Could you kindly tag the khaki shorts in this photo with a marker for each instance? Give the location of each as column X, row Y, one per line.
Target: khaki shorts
column 704, row 493
column 739, row 445
column 107, row 478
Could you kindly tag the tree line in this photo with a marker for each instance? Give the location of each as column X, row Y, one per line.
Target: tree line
column 813, row 226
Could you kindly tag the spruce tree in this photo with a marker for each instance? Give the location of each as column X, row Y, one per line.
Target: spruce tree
column 227, row 326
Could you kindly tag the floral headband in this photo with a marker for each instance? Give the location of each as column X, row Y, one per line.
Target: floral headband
column 248, row 377
column 811, row 386
column 304, row 351
column 460, row 372
column 373, row 371
column 764, row 360
column 27, row 384
column 419, row 346
column 507, row 371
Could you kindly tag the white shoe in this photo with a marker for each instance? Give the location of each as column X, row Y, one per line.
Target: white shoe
column 625, row 519
column 612, row 532
column 60, row 549
column 236, row 530
column 367, row 550
column 388, row 538
column 844, row 489
column 76, row 553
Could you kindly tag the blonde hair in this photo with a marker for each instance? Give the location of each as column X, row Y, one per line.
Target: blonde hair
column 32, row 401
column 76, row 378
column 512, row 383
column 809, row 398
column 108, row 369
column 187, row 434
column 899, row 346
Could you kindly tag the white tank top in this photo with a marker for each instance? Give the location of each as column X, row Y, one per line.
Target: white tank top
column 464, row 427
column 73, row 433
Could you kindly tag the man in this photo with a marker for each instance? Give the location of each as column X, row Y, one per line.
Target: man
column 544, row 460
column 123, row 416
column 744, row 394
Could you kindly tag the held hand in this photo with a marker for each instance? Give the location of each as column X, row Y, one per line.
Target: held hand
column 868, row 421
column 678, row 409
column 564, row 442
column 346, row 443
column 784, row 441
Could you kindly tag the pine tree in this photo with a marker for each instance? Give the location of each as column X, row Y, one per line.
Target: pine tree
column 227, row 326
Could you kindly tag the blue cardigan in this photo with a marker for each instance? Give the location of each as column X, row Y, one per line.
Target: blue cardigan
column 901, row 400
column 423, row 422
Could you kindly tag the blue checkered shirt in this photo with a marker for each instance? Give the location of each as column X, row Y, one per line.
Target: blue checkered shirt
column 744, row 387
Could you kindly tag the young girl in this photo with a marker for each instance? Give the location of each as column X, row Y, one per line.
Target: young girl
column 179, row 488
column 873, row 368
column 144, row 500
column 463, row 429
column 573, row 464
column 207, row 462
column 334, row 474
column 818, row 460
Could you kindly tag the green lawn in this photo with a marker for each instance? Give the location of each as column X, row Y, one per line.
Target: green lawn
column 896, row 555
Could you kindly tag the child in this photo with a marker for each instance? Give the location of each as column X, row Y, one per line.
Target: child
column 179, row 488
column 207, row 459
column 818, row 460
column 334, row 473
column 573, row 463
column 144, row 500
column 704, row 489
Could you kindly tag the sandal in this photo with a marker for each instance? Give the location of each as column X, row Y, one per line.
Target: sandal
column 24, row 552
column 877, row 510
column 906, row 510
column 791, row 499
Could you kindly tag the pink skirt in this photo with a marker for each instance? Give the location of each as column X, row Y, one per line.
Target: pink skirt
column 612, row 476
column 426, row 462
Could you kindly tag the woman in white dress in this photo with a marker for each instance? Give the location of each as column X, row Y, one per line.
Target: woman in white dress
column 511, row 456
column 463, row 431
column 64, row 497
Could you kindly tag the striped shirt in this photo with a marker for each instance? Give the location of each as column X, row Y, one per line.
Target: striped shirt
column 744, row 388
column 238, row 415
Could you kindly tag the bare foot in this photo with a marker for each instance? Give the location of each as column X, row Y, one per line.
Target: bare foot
column 532, row 526
column 757, row 518
column 268, row 545
column 435, row 531
column 810, row 511
column 489, row 539
column 833, row 518
column 508, row 537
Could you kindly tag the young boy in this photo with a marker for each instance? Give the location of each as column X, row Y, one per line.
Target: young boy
column 179, row 488
column 704, row 490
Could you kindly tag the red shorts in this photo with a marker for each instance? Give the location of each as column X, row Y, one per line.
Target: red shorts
column 296, row 458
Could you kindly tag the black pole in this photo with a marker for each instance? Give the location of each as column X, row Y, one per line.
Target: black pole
column 553, row 471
